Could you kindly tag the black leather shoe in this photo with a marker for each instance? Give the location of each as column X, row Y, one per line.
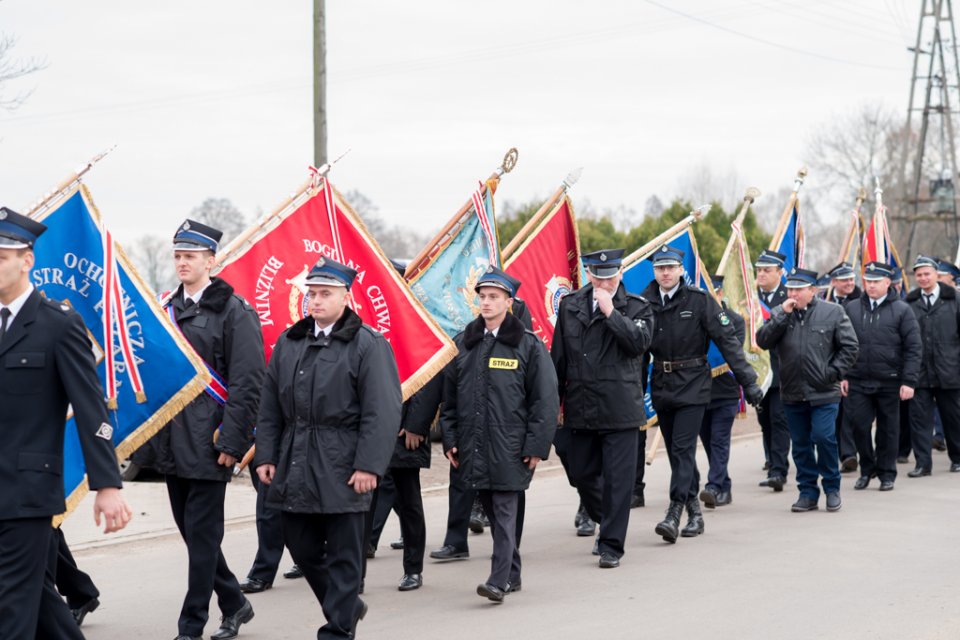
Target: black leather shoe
column 886, row 485
column 848, row 465
column 804, row 503
column 476, row 518
column 587, row 528
column 774, row 482
column 490, row 592
column 669, row 527
column 596, row 546
column 397, row 544
column 230, row 625
column 81, row 612
column 186, row 637
column 252, row 585
column 637, row 500
column 293, row 572
column 903, row 459
column 709, row 498
column 694, row 525
column 918, row 472
column 361, row 614
column 955, row 467
column 371, row 552
column 513, row 587
column 581, row 514
column 862, row 483
column 724, row 498
column 449, row 552
column 609, row 561
column 939, row 444
column 410, row 581
column 833, row 501
column 766, row 465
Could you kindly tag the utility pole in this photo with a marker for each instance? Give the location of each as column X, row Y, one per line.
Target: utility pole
column 319, row 84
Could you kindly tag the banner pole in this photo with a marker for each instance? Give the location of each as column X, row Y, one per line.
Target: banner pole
column 651, row 246
column 67, row 185
column 749, row 197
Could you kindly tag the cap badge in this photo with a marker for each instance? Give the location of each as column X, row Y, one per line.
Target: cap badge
column 3, row 214
column 603, row 257
column 185, row 227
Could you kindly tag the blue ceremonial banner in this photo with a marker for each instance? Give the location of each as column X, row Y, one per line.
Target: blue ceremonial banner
column 790, row 242
column 443, row 280
column 70, row 268
column 638, row 276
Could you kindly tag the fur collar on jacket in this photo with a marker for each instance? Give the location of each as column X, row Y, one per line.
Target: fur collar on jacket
column 344, row 329
column 510, row 333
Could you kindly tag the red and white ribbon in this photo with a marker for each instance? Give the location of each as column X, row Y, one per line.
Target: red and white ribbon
column 480, row 206
column 115, row 327
column 751, row 295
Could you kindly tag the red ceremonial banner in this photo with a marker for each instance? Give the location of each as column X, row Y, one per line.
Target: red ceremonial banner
column 269, row 264
column 547, row 264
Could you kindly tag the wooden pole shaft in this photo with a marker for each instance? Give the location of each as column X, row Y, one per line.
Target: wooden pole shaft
column 651, row 246
column 747, row 201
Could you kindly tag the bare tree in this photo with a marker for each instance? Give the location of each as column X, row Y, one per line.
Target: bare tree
column 11, row 69
column 396, row 241
column 702, row 184
column 653, row 206
column 222, row 214
column 153, row 258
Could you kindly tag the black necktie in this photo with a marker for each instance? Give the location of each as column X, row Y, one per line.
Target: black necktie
column 188, row 303
column 5, row 314
column 927, row 298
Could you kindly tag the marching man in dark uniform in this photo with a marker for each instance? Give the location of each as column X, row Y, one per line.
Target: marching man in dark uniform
column 687, row 319
column 49, row 364
column 329, row 415
column 816, row 345
column 938, row 312
column 717, row 425
column 773, row 421
column 885, row 373
column 601, row 336
column 844, row 288
column 198, row 449
column 499, row 413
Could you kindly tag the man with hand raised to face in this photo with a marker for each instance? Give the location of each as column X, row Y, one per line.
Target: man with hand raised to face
column 329, row 414
column 498, row 417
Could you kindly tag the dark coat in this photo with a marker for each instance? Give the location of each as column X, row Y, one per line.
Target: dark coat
column 815, row 353
column 331, row 405
column 419, row 412
column 725, row 385
column 47, row 364
column 890, row 347
column 940, row 333
column 499, row 404
column 600, row 361
column 522, row 312
column 778, row 297
column 685, row 327
column 225, row 332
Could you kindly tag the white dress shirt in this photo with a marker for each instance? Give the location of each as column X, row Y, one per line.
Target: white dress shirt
column 17, row 304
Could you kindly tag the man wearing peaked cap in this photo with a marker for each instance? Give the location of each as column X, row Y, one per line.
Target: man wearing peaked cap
column 601, row 337
column 844, row 289
column 884, row 375
column 687, row 319
column 773, row 422
column 49, row 365
column 844, row 283
column 224, row 331
column 937, row 310
column 498, row 417
column 810, row 375
column 329, row 415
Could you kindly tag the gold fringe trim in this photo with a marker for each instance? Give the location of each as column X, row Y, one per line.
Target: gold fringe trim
column 112, row 404
column 141, row 397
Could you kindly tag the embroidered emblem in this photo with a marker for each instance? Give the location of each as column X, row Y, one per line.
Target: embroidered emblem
column 503, row 363
column 105, row 431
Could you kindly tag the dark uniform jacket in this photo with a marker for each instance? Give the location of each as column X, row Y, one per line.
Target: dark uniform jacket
column 815, row 353
column 940, row 333
column 499, row 404
column 419, row 412
column 331, row 405
column 600, row 362
column 890, row 347
column 225, row 332
column 47, row 363
column 779, row 295
column 725, row 386
column 685, row 327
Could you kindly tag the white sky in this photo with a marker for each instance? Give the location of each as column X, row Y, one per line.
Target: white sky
column 213, row 97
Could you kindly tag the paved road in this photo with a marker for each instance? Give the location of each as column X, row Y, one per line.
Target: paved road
column 886, row 566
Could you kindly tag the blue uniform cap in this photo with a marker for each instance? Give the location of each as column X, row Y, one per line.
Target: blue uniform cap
column 399, row 266
column 801, row 278
column 196, row 236
column 897, row 276
column 717, row 281
column 948, row 268
column 877, row 271
column 331, row 273
column 925, row 261
column 842, row 271
column 823, row 281
column 603, row 264
column 17, row 231
column 770, row 258
column 666, row 256
column 496, row 277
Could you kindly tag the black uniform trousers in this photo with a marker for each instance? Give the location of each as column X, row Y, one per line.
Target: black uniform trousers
column 921, row 423
column 269, row 537
column 638, row 484
column 408, row 501
column 604, row 466
column 561, row 444
column 776, row 433
column 460, row 499
column 386, row 492
column 30, row 606
column 328, row 548
column 715, row 431
column 680, row 428
column 846, row 441
column 72, row 583
column 905, row 446
column 502, row 508
column 198, row 511
column 860, row 409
